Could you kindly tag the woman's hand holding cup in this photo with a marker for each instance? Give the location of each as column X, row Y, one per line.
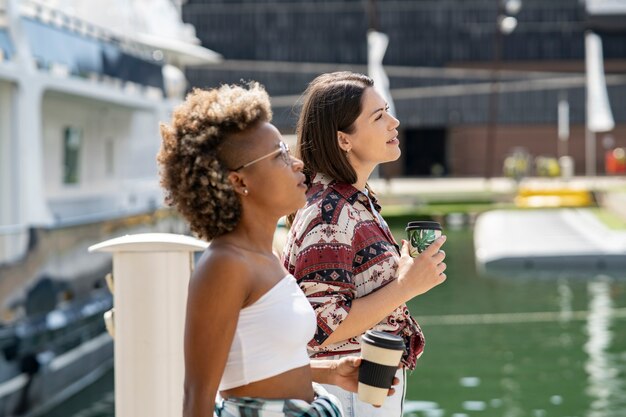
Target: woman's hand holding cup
column 420, row 274
column 345, row 374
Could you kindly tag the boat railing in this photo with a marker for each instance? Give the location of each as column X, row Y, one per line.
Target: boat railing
column 60, row 19
column 67, row 45
column 3, row 14
column 65, row 327
column 14, row 240
column 100, row 216
column 131, row 198
column 6, row 48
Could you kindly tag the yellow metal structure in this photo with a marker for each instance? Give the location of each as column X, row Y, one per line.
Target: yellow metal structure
column 533, row 197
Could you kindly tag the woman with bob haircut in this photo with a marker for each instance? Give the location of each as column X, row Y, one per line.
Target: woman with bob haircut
column 226, row 169
column 339, row 248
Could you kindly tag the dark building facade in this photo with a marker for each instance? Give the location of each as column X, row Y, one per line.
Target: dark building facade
column 443, row 59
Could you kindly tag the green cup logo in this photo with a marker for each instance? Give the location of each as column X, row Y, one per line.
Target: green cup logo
column 421, row 234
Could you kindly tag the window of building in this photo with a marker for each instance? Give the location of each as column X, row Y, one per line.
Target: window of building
column 109, row 155
column 72, row 140
column 425, row 153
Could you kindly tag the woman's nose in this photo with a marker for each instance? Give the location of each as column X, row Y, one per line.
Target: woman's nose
column 297, row 164
column 394, row 122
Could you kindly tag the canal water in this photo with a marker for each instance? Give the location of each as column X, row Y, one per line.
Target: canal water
column 497, row 347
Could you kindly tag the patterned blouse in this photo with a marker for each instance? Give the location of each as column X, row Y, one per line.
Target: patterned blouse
column 339, row 249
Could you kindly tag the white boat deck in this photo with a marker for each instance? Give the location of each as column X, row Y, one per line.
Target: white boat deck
column 560, row 240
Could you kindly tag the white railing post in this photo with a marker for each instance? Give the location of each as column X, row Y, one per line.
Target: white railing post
column 150, row 276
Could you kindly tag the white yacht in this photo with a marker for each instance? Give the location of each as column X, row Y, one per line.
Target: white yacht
column 83, row 86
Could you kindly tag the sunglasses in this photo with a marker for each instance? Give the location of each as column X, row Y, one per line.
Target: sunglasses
column 283, row 150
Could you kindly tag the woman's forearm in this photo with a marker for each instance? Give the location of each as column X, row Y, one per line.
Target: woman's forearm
column 198, row 404
column 415, row 276
column 343, row 372
column 368, row 311
column 322, row 370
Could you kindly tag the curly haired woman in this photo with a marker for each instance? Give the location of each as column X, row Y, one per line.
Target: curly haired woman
column 226, row 169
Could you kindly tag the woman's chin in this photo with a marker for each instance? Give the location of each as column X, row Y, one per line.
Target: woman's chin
column 393, row 155
column 302, row 203
column 298, row 204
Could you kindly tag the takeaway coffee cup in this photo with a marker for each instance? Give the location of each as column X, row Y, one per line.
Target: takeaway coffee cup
column 421, row 235
column 381, row 353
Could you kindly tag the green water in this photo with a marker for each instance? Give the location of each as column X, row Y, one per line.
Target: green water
column 498, row 347
column 527, row 348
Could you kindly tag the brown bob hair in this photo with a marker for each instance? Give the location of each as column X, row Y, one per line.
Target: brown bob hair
column 332, row 102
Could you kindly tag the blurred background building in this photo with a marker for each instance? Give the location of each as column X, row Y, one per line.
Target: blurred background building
column 471, row 79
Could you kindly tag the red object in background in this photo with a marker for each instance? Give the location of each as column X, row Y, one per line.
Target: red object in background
column 615, row 161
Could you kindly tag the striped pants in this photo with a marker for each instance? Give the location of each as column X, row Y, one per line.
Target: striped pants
column 324, row 405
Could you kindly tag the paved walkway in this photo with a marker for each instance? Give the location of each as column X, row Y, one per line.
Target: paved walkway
column 467, row 186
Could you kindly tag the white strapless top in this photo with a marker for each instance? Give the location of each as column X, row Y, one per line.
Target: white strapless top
column 271, row 336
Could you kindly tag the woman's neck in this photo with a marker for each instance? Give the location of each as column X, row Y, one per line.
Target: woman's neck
column 254, row 233
column 362, row 174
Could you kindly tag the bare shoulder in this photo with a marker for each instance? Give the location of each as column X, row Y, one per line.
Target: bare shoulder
column 221, row 272
column 216, row 259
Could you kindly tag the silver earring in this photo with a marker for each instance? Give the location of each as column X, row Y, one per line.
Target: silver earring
column 245, row 191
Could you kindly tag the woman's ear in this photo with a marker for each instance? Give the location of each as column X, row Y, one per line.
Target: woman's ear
column 238, row 182
column 344, row 142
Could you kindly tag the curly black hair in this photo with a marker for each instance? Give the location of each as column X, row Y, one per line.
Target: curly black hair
column 193, row 172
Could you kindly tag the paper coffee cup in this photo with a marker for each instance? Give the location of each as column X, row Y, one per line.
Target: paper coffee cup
column 381, row 353
column 421, row 234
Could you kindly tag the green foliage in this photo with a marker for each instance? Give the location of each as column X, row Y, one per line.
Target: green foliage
column 421, row 239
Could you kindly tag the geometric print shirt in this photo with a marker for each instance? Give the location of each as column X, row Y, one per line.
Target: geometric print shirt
column 338, row 249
